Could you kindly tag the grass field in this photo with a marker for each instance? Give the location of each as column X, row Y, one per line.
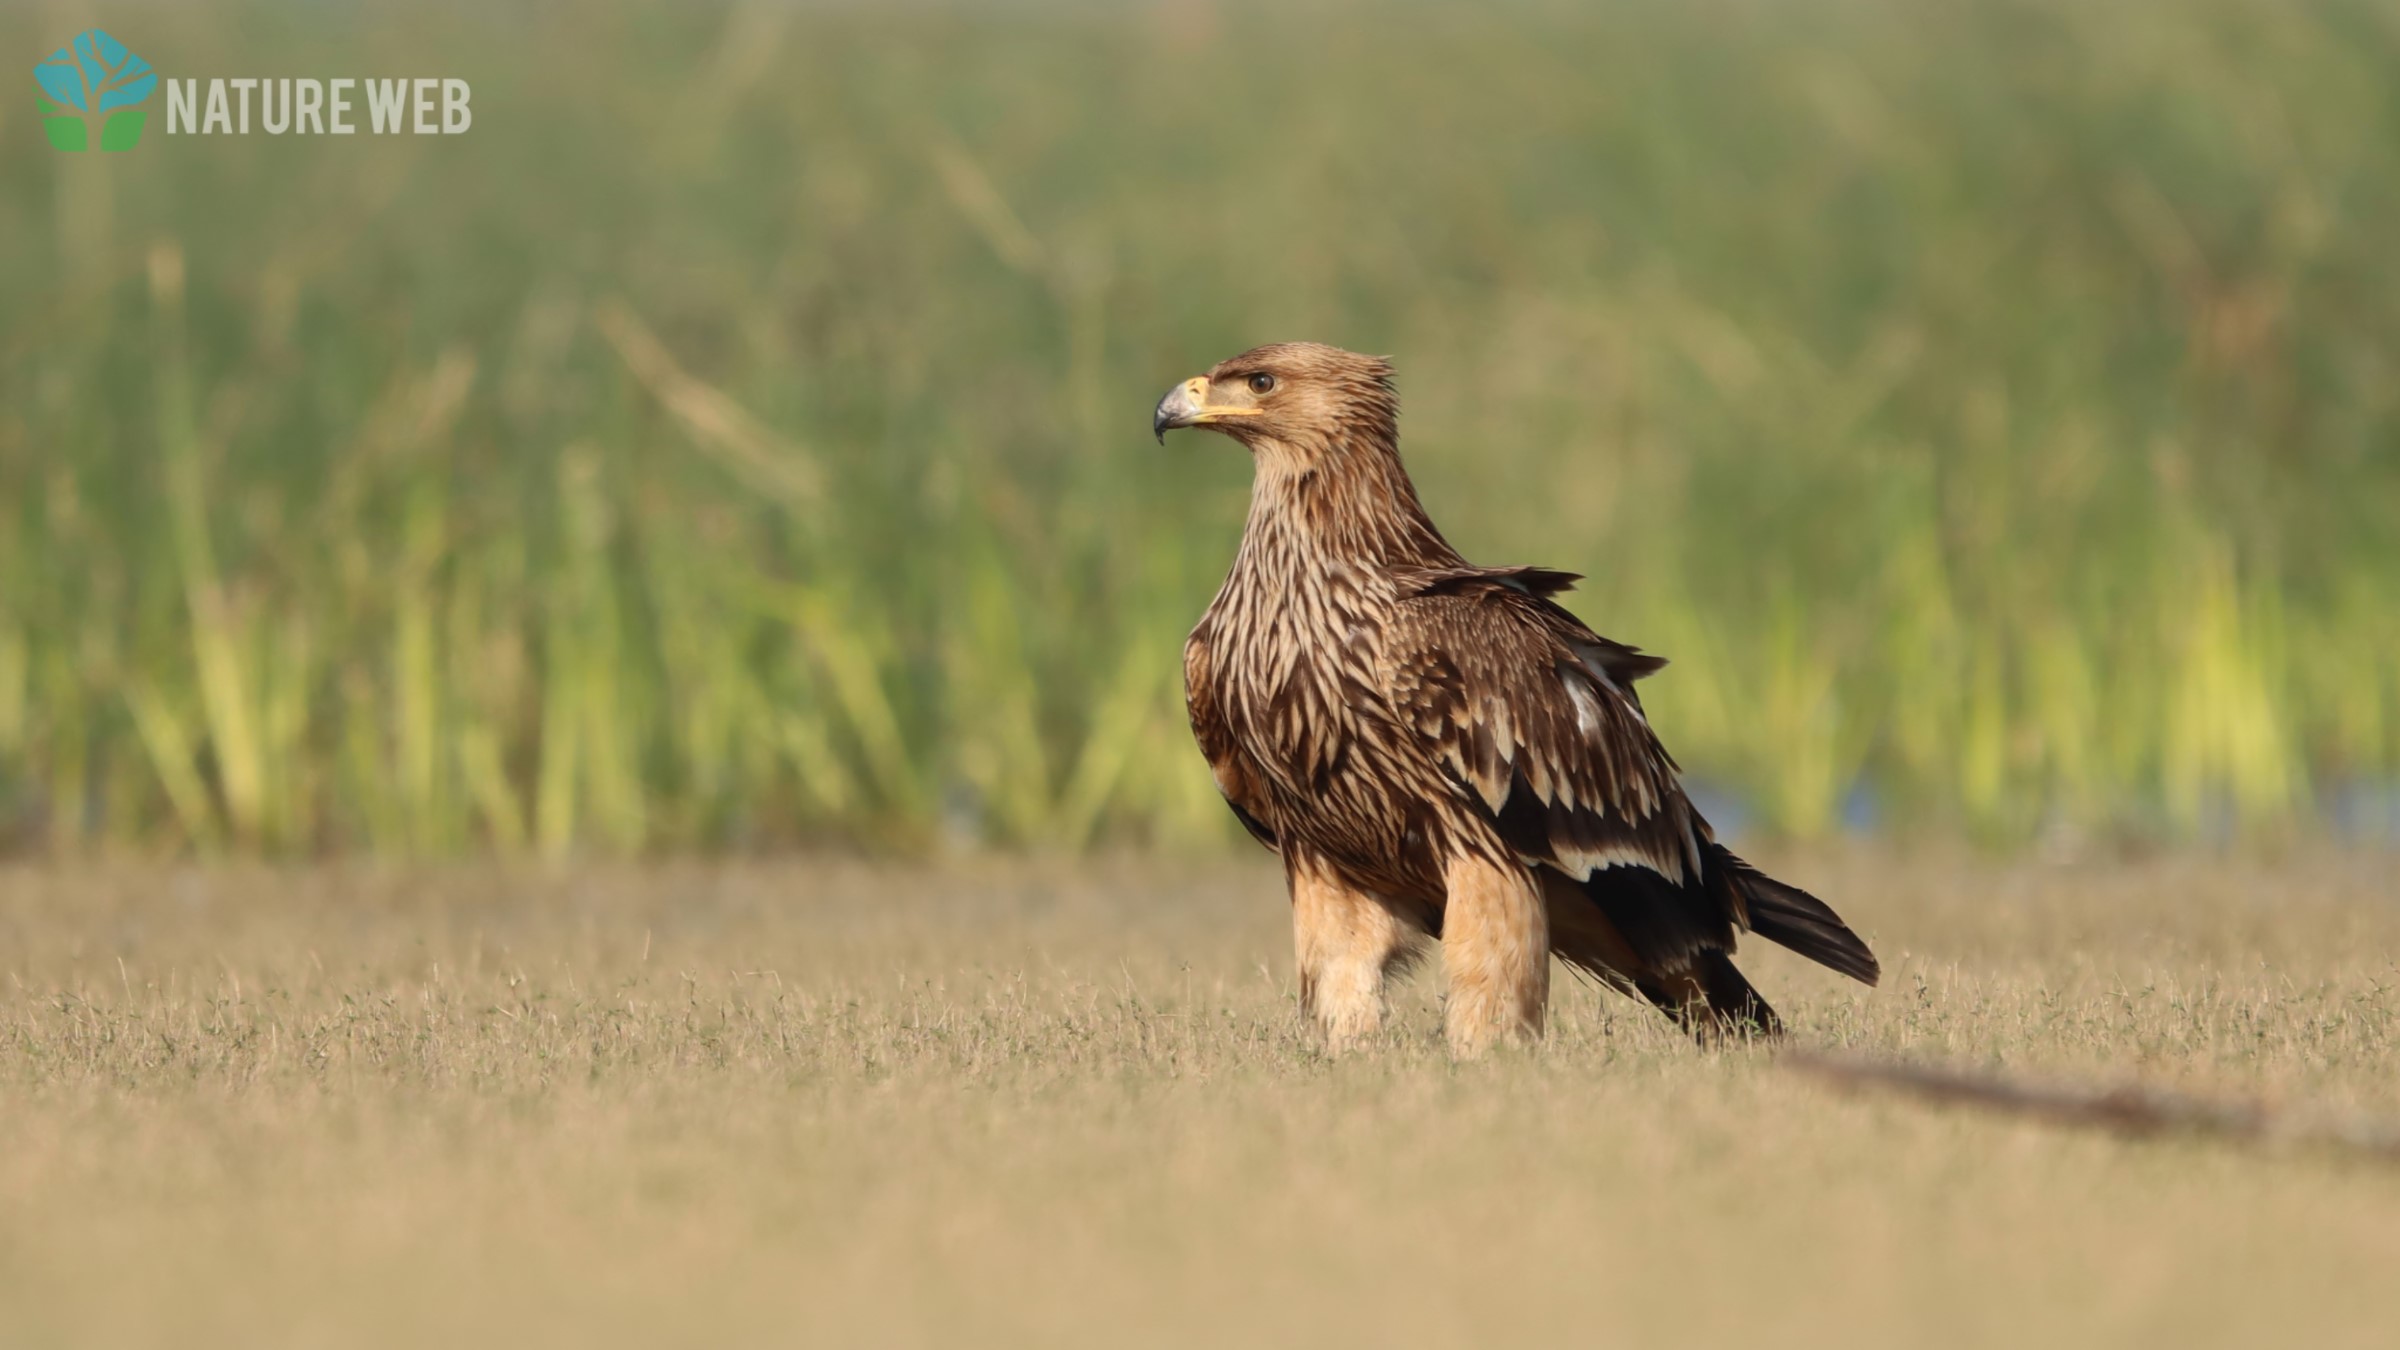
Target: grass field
column 1029, row 1104
column 738, row 438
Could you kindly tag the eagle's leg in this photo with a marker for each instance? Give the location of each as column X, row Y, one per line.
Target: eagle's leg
column 1495, row 951
column 1348, row 943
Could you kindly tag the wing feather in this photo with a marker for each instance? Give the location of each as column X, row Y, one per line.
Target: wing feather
column 1217, row 742
column 1533, row 715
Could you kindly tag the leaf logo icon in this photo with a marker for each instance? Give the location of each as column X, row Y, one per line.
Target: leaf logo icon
column 93, row 82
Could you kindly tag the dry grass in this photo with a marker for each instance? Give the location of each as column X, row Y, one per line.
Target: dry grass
column 1027, row 1105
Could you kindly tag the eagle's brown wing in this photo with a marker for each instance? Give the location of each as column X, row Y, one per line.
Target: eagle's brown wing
column 1532, row 714
column 1215, row 736
column 1533, row 717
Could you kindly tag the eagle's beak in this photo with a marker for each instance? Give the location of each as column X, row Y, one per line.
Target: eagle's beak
column 1187, row 405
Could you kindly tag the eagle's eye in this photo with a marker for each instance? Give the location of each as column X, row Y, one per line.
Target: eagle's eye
column 1261, row 383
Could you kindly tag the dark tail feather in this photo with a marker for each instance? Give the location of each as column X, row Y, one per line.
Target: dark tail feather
column 1735, row 1002
column 1794, row 918
column 1713, row 1001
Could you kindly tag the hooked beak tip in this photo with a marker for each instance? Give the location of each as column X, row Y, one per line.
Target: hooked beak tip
column 1180, row 408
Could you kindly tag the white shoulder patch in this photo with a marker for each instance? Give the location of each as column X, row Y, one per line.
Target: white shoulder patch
column 1587, row 706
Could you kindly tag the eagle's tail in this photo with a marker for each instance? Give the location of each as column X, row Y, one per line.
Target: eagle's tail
column 1794, row 918
column 1712, row 1000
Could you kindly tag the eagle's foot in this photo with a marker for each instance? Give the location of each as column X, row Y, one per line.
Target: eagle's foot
column 1346, row 1017
column 1348, row 943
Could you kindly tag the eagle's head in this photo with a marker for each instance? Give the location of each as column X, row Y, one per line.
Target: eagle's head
column 1301, row 399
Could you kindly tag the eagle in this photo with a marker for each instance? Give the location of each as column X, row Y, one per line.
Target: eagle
column 1442, row 751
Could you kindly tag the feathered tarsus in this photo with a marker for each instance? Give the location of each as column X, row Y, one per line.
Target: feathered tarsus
column 1441, row 750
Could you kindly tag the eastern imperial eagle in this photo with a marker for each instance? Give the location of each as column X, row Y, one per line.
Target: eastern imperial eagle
column 1441, row 750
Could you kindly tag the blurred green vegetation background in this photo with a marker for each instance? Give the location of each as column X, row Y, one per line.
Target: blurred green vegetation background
column 739, row 437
